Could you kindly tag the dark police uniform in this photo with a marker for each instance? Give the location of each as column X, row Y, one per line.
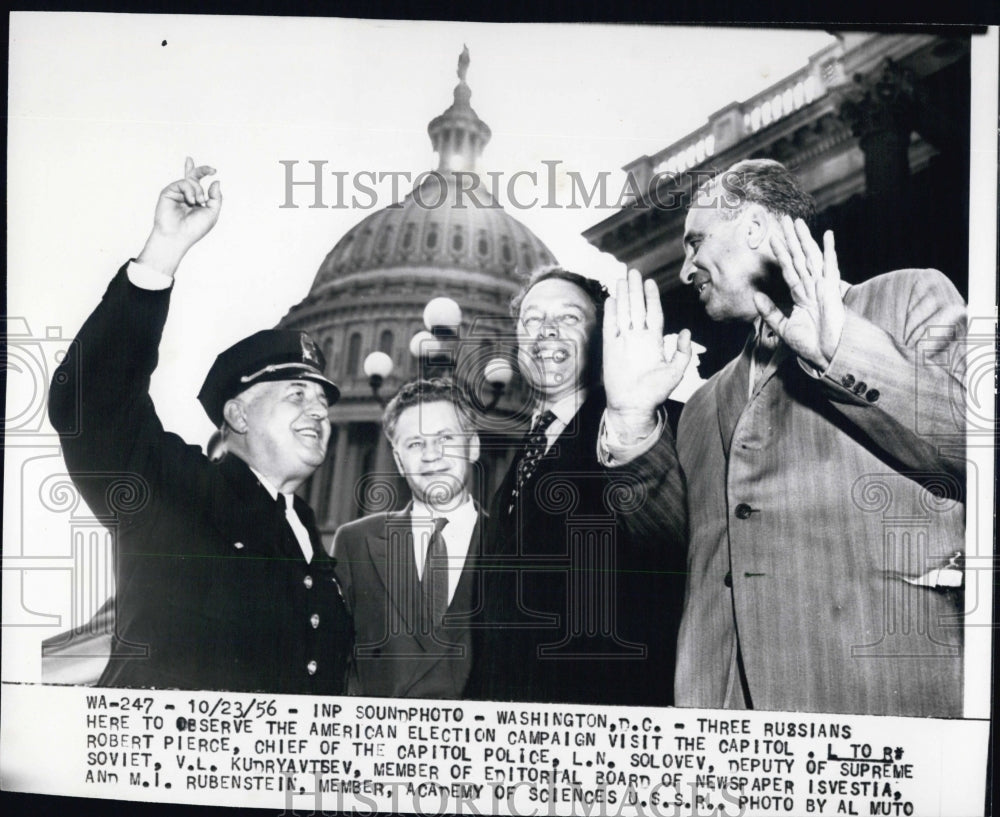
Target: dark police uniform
column 212, row 589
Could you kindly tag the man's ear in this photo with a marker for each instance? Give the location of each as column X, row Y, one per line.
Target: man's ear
column 235, row 415
column 757, row 224
column 473, row 447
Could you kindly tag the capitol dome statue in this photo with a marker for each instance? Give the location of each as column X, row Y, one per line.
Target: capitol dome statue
column 447, row 237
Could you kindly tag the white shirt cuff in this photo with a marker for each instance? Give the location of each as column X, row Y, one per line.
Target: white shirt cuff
column 146, row 277
column 612, row 452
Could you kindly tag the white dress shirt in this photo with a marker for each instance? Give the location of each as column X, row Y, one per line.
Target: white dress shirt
column 564, row 410
column 457, row 537
column 146, row 277
column 301, row 534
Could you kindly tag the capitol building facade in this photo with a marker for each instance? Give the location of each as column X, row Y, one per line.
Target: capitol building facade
column 448, row 237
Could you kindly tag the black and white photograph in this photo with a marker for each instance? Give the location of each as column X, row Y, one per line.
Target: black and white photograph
column 477, row 418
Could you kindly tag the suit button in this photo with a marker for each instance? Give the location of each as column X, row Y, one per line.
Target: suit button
column 860, row 387
column 314, row 620
column 238, row 545
column 743, row 511
column 728, row 581
column 308, row 582
column 872, row 395
column 847, row 381
column 311, row 667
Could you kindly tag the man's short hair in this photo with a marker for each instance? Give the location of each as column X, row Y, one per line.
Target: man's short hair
column 764, row 182
column 593, row 288
column 418, row 392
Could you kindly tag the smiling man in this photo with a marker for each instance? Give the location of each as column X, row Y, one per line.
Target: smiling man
column 221, row 580
column 408, row 576
column 581, row 574
column 824, row 465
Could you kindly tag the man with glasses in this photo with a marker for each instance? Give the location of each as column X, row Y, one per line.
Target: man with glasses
column 408, row 576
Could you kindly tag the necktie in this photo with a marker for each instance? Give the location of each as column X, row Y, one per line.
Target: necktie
column 534, row 444
column 434, row 581
column 301, row 534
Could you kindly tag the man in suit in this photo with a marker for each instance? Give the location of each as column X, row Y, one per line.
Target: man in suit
column 408, row 576
column 824, row 465
column 580, row 591
column 221, row 579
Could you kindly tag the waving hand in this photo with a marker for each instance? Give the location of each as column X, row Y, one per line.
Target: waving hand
column 184, row 215
column 813, row 327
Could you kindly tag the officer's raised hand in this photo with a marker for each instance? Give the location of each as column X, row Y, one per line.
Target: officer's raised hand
column 184, row 215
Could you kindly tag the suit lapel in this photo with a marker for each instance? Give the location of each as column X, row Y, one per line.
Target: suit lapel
column 465, row 588
column 781, row 354
column 391, row 551
column 734, row 382
column 576, row 441
column 252, row 515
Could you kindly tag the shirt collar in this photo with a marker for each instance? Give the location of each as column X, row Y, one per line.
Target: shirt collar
column 566, row 408
column 423, row 511
column 263, row 481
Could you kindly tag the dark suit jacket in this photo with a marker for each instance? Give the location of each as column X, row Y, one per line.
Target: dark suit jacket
column 581, row 582
column 396, row 653
column 212, row 591
column 810, row 501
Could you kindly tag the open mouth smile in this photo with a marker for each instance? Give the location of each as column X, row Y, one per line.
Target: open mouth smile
column 557, row 355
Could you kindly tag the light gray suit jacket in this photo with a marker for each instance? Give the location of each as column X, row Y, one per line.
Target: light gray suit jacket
column 811, row 503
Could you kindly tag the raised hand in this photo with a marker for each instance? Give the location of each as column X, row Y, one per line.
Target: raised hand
column 184, row 215
column 638, row 375
column 813, row 327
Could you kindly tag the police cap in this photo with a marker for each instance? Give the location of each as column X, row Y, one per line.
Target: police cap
column 272, row 354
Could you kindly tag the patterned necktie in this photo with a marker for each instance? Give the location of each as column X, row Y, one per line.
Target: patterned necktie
column 434, row 581
column 534, row 444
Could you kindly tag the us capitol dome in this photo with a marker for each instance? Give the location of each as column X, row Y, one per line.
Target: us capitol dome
column 448, row 237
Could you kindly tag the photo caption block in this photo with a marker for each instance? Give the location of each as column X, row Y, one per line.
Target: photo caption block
column 363, row 755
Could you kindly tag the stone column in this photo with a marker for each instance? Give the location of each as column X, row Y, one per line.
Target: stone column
column 335, row 509
column 880, row 109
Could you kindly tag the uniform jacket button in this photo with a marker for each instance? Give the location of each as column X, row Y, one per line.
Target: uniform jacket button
column 728, row 581
column 308, row 582
column 311, row 667
column 860, row 387
column 872, row 396
column 314, row 620
column 238, row 545
column 847, row 381
column 743, row 511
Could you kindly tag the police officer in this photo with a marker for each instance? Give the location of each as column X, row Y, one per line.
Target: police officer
column 222, row 582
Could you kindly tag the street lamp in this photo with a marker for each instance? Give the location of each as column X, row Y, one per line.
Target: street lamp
column 442, row 316
column 498, row 373
column 443, row 319
column 436, row 347
column 378, row 366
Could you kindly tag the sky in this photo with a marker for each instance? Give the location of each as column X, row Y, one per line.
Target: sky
column 104, row 108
